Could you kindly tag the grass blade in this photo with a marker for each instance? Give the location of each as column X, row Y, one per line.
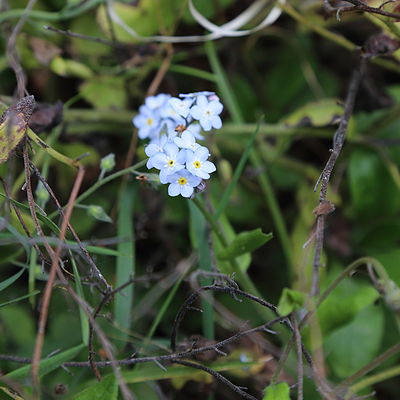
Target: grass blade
column 125, row 259
column 199, row 237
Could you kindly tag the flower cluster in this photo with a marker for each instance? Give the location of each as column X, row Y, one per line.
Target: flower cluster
column 173, row 124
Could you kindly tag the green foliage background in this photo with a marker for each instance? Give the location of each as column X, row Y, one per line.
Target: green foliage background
column 295, row 73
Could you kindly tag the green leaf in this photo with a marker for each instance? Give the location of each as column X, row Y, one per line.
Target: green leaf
column 6, row 283
column 107, row 388
column 126, row 258
column 47, row 365
column 244, row 242
column 317, row 113
column 354, row 345
column 225, row 266
column 145, row 17
column 63, row 67
column 104, row 92
column 290, row 300
column 280, row 391
column 344, row 303
column 373, row 191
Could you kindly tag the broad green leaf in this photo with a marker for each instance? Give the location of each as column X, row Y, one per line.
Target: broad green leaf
column 223, row 265
column 317, row 113
column 6, row 283
column 291, row 300
column 70, row 68
column 104, row 92
column 146, row 17
column 47, row 365
column 354, row 345
column 373, row 191
column 344, row 303
column 244, row 242
column 126, row 257
column 106, row 389
column 280, row 391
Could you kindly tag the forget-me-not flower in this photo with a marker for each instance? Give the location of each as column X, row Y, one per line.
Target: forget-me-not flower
column 147, row 122
column 182, row 107
column 186, row 141
column 197, row 164
column 182, row 183
column 169, row 161
column 207, row 113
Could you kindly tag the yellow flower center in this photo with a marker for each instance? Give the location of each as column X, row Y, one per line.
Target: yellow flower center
column 182, row 181
column 149, row 121
column 171, row 163
column 197, row 164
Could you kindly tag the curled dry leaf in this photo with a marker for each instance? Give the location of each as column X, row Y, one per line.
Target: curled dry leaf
column 13, row 125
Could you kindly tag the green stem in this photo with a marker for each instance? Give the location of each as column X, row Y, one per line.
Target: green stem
column 49, row 150
column 372, row 380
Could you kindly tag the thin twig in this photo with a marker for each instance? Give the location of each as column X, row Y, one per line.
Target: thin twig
column 361, row 6
column 86, row 37
column 52, row 274
column 338, row 141
column 219, row 377
column 106, row 297
column 12, row 53
column 193, row 297
column 161, row 358
column 299, row 351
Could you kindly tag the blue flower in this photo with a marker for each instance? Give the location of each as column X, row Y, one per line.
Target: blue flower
column 158, row 101
column 182, row 107
column 186, row 141
column 147, row 122
column 196, row 94
column 156, row 146
column 197, row 164
column 182, row 183
column 207, row 113
column 169, row 161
